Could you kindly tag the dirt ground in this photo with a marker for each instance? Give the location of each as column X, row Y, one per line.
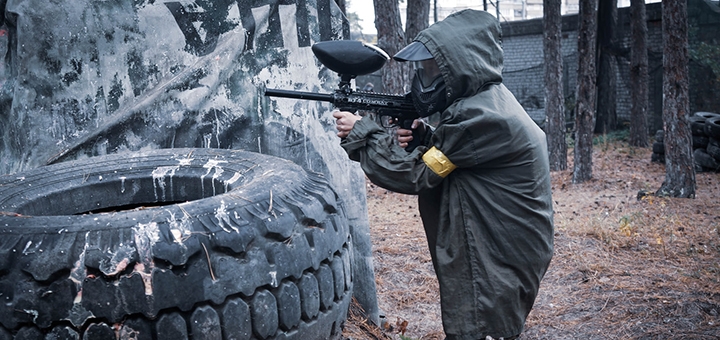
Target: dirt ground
column 623, row 268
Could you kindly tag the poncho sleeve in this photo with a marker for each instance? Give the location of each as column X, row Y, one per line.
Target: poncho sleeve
column 387, row 164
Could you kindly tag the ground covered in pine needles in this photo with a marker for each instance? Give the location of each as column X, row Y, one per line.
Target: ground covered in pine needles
column 624, row 268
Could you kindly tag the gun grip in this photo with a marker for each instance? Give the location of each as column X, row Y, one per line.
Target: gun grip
column 417, row 137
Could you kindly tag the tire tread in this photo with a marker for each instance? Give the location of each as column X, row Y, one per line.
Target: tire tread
column 214, row 277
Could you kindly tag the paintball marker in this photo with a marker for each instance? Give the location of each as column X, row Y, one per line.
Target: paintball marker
column 350, row 59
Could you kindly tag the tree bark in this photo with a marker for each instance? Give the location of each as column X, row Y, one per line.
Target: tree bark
column 638, row 75
column 418, row 17
column 607, row 67
column 679, row 162
column 585, row 105
column 554, row 98
column 391, row 38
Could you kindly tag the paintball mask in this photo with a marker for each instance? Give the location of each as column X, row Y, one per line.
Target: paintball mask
column 428, row 90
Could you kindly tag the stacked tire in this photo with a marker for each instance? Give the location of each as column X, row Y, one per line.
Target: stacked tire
column 173, row 244
column 658, row 148
column 706, row 141
column 705, row 128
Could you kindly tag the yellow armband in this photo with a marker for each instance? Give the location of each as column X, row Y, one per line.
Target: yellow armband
column 438, row 162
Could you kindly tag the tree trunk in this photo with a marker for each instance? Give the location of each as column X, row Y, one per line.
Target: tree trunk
column 638, row 75
column 391, row 38
column 418, row 17
column 679, row 162
column 607, row 67
column 554, row 106
column 585, row 105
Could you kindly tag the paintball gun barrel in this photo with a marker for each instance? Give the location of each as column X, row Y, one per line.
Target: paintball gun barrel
column 350, row 59
column 382, row 104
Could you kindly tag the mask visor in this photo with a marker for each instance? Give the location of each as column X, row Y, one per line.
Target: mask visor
column 427, row 72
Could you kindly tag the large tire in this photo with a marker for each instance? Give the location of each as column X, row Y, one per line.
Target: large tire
column 712, row 127
column 713, row 149
column 699, row 142
column 173, row 244
column 697, row 125
column 706, row 115
column 657, row 158
column 659, row 136
column 659, row 148
column 705, row 161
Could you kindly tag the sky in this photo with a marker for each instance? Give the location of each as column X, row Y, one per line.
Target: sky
column 366, row 12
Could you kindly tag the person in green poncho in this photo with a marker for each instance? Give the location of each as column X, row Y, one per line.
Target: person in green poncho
column 481, row 176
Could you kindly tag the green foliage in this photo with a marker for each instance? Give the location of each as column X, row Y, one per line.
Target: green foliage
column 570, row 140
column 621, row 135
column 354, row 21
column 628, row 224
column 569, row 105
column 613, row 136
column 708, row 55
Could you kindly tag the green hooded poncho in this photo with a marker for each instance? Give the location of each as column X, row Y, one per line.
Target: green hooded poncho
column 489, row 222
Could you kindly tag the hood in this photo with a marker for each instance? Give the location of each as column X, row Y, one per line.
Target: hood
column 467, row 47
